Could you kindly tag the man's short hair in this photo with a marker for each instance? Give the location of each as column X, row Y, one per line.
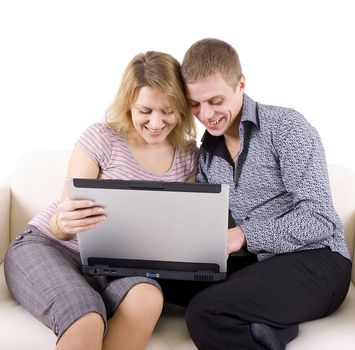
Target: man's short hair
column 210, row 56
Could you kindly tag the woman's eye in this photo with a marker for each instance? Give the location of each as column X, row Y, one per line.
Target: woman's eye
column 168, row 111
column 145, row 111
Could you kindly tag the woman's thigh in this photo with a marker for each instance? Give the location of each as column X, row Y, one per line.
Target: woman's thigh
column 46, row 279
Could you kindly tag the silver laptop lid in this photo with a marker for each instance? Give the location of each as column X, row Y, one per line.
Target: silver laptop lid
column 155, row 221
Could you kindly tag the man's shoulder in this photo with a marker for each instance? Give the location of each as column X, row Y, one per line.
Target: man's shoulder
column 274, row 112
column 274, row 117
column 266, row 115
column 278, row 124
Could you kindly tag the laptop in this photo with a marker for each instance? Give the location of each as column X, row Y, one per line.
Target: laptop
column 162, row 230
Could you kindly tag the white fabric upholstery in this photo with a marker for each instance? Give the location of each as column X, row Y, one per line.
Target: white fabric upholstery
column 38, row 180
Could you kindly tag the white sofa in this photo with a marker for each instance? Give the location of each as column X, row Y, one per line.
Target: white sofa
column 38, row 180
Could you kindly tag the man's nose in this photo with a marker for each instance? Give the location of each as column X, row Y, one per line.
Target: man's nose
column 205, row 112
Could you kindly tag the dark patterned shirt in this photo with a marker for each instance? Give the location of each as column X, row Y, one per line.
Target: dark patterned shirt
column 279, row 186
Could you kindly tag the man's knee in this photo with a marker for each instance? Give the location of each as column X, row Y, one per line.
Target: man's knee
column 201, row 311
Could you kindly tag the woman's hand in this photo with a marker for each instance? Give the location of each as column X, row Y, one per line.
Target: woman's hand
column 74, row 216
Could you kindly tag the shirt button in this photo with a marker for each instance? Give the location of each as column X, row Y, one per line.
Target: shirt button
column 27, row 231
column 19, row 237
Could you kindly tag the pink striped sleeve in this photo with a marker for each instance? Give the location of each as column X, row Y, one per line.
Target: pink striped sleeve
column 96, row 142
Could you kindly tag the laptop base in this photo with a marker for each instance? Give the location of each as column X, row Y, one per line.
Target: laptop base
column 154, row 269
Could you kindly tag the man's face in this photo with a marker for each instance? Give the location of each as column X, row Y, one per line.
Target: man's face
column 215, row 103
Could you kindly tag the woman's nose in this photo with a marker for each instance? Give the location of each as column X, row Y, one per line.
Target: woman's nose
column 155, row 121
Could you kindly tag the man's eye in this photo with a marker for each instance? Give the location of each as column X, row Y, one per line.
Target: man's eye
column 216, row 102
column 193, row 104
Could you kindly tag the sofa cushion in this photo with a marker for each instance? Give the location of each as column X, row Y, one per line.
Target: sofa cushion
column 336, row 331
column 19, row 330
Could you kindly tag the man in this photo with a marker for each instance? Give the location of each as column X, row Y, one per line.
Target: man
column 274, row 163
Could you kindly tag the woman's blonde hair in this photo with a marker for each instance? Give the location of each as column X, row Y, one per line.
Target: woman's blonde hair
column 162, row 72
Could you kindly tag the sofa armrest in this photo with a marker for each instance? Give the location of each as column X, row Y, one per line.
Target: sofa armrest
column 5, row 202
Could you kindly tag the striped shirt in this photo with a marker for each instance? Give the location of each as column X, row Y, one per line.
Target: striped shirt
column 110, row 151
column 279, row 187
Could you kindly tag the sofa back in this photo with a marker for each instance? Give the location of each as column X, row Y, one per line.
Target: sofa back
column 342, row 183
column 39, row 177
column 38, row 181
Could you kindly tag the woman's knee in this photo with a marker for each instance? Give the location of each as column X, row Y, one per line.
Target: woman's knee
column 71, row 306
column 143, row 298
column 90, row 321
column 85, row 331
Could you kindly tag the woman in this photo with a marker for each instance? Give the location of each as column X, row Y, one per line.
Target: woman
column 148, row 134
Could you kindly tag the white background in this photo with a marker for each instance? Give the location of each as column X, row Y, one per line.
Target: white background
column 61, row 61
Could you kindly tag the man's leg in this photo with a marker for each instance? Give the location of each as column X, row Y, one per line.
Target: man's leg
column 181, row 292
column 273, row 338
column 280, row 292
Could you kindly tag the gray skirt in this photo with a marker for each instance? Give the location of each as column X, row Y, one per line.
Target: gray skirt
column 45, row 277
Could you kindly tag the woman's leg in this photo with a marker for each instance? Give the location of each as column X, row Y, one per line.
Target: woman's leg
column 85, row 333
column 45, row 278
column 134, row 320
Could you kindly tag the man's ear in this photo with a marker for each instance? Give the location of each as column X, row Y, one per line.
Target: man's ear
column 241, row 83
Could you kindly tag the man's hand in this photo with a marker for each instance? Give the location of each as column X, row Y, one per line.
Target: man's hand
column 236, row 240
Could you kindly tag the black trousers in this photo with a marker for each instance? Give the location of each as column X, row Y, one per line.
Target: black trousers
column 281, row 291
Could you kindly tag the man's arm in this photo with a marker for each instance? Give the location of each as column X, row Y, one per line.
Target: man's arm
column 304, row 174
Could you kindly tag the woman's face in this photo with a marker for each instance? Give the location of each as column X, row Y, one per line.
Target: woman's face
column 153, row 115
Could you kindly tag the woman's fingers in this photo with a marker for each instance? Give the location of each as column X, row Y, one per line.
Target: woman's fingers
column 78, row 215
column 71, row 205
column 76, row 226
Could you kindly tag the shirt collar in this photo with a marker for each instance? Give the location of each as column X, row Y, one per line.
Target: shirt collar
column 250, row 110
column 249, row 114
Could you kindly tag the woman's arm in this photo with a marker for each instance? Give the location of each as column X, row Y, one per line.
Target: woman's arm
column 74, row 216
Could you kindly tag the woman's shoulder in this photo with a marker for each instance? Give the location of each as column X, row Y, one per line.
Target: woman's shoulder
column 101, row 127
column 192, row 148
column 188, row 160
column 103, row 130
column 190, row 153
